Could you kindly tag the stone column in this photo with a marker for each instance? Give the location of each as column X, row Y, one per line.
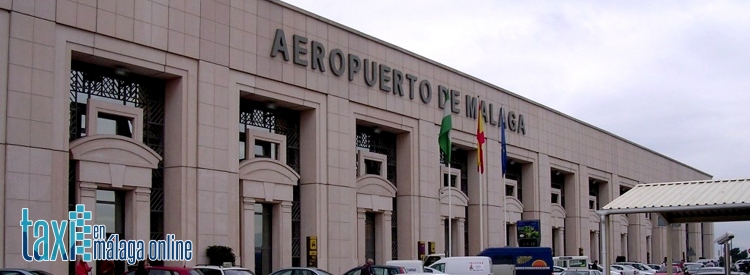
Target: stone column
column 695, row 242
column 594, row 246
column 624, row 245
column 536, row 198
column 441, row 244
column 708, row 237
column 282, row 223
column 86, row 195
column 460, row 243
column 361, row 213
column 247, row 236
column 141, row 214
column 455, row 237
column 513, row 236
column 383, row 248
column 576, row 206
column 561, row 243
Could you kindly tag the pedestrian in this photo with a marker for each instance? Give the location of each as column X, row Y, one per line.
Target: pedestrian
column 594, row 265
column 106, row 267
column 82, row 268
column 141, row 269
column 367, row 267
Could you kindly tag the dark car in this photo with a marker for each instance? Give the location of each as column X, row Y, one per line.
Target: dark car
column 379, row 270
column 167, row 270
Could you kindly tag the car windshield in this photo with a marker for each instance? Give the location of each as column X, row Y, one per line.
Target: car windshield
column 693, row 267
column 323, row 271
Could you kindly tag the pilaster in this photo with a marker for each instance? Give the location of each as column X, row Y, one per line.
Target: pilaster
column 282, row 257
column 247, row 254
column 361, row 215
column 141, row 218
column 460, row 227
column 384, row 247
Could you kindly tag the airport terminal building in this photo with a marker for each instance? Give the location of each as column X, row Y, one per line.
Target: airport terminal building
column 259, row 126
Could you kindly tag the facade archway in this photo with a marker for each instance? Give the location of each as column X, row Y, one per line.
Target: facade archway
column 121, row 166
column 375, row 196
column 453, row 203
column 267, row 184
column 558, row 229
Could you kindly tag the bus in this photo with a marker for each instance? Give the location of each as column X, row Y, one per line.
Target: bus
column 520, row 260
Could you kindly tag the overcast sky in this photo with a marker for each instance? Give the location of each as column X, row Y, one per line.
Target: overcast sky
column 673, row 76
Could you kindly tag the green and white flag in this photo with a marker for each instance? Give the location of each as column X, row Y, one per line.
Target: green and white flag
column 444, row 139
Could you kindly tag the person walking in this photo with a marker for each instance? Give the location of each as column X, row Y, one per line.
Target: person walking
column 82, row 268
column 594, row 265
column 367, row 267
column 141, row 269
column 106, row 267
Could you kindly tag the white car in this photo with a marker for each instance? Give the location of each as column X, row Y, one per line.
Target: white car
column 612, row 271
column 642, row 268
column 625, row 269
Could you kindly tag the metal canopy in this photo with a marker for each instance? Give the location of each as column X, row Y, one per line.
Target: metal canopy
column 680, row 202
column 687, row 202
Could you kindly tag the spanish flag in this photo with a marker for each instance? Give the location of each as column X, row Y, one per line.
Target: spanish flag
column 480, row 139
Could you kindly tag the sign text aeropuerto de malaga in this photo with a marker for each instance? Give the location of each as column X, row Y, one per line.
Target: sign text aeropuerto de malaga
column 389, row 80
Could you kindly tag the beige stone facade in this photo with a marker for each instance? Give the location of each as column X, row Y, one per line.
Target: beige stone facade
column 177, row 160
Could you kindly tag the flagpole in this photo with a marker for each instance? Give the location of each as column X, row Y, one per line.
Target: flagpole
column 505, row 209
column 450, row 210
column 502, row 169
column 481, row 212
column 481, row 172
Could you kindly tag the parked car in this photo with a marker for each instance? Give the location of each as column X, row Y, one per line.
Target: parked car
column 642, row 268
column 612, row 271
column 655, row 267
column 715, row 271
column 21, row 271
column 691, row 268
column 301, row 271
column 581, row 272
column 220, row 270
column 676, row 270
column 378, row 270
column 172, row 270
column 411, row 266
column 625, row 269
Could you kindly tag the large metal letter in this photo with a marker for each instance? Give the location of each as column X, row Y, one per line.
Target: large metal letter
column 279, row 45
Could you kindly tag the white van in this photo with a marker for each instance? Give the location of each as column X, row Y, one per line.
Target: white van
column 572, row 262
column 411, row 266
column 475, row 265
